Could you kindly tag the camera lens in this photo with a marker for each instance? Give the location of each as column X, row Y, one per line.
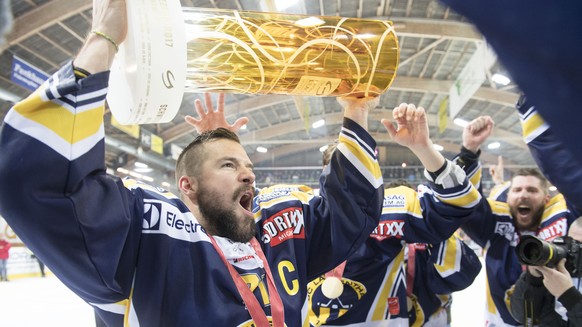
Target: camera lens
column 533, row 251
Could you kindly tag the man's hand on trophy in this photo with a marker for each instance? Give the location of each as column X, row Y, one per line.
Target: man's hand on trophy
column 212, row 119
column 110, row 19
column 362, row 103
column 364, row 98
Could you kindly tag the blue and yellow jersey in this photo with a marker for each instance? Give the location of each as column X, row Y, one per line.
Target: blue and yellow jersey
column 439, row 270
column 495, row 232
column 374, row 278
column 135, row 252
column 499, row 192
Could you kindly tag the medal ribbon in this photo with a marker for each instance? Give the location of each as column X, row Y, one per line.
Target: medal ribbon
column 337, row 272
column 255, row 309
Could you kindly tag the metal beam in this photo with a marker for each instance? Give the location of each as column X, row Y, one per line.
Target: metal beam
column 430, row 28
column 43, row 17
column 401, row 83
column 336, row 118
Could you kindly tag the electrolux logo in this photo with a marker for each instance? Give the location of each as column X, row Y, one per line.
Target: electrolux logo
column 152, row 213
column 162, row 217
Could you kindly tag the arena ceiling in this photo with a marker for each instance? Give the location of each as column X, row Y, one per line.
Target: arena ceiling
column 435, row 45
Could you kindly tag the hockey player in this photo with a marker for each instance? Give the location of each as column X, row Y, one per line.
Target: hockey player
column 144, row 257
column 372, row 290
column 529, row 210
column 433, row 273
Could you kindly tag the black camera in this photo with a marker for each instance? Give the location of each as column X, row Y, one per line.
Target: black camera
column 533, row 251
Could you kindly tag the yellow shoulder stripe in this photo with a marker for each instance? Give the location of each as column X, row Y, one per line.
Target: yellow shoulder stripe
column 70, row 127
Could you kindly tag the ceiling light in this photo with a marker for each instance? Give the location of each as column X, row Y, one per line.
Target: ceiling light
column 243, row 127
column 284, row 4
column 323, row 148
column 262, row 149
column 460, row 122
column 166, row 184
column 134, row 174
column 147, row 178
column 404, row 165
column 122, row 170
column 143, row 170
column 318, row 123
column 500, row 79
column 494, row 145
column 9, row 96
column 438, row 147
column 140, row 165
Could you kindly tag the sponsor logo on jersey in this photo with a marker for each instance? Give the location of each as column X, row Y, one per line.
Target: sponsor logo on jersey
column 393, row 306
column 268, row 197
column 553, row 230
column 387, row 229
column 241, row 259
column 394, row 201
column 163, row 218
column 284, row 225
column 151, row 219
column 507, row 230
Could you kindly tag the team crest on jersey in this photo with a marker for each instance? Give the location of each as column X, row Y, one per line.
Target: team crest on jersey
column 387, row 229
column 284, row 225
column 394, row 201
column 324, row 309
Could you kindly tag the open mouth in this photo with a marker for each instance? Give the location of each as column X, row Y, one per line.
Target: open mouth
column 523, row 210
column 246, row 200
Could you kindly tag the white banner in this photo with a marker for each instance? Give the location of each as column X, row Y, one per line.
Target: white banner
column 469, row 81
column 147, row 78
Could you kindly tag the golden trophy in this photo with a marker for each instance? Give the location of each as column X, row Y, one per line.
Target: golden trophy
column 246, row 52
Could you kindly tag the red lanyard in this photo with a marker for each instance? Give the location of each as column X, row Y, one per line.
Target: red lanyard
column 410, row 267
column 337, row 272
column 255, row 309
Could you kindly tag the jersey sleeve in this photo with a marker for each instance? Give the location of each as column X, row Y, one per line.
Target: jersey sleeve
column 54, row 191
column 455, row 266
column 442, row 209
column 558, row 164
column 351, row 193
